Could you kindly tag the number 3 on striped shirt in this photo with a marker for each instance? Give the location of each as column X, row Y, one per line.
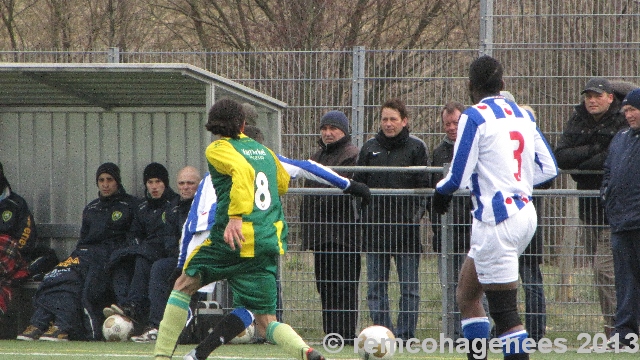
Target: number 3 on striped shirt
column 517, row 153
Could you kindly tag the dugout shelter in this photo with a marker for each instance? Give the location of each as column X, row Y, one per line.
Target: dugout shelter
column 59, row 122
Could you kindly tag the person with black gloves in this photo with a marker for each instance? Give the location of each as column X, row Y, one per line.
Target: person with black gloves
column 329, row 229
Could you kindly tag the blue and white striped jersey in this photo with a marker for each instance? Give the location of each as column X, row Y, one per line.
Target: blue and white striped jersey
column 201, row 216
column 500, row 154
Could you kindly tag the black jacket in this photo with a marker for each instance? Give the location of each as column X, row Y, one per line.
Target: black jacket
column 585, row 142
column 584, row 146
column 460, row 206
column 621, row 184
column 391, row 222
column 17, row 221
column 152, row 233
column 328, row 221
column 105, row 222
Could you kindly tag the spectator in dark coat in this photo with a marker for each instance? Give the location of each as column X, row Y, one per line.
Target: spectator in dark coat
column 392, row 222
column 151, row 237
column 328, row 228
column 69, row 300
column 584, row 146
column 620, row 193
column 460, row 207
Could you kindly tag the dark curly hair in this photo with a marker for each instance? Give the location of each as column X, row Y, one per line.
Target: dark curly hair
column 226, row 118
column 485, row 76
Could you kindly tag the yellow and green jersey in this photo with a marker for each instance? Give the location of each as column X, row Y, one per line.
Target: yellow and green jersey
column 248, row 179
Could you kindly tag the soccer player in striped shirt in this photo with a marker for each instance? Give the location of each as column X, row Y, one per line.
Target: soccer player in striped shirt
column 500, row 155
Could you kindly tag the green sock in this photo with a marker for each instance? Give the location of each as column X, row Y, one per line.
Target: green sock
column 283, row 335
column 173, row 321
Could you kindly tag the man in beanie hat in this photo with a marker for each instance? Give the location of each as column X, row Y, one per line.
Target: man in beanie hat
column 157, row 171
column 69, row 301
column 153, row 235
column 336, row 119
column 620, row 193
column 111, row 169
column 329, row 229
column 17, row 238
column 584, row 145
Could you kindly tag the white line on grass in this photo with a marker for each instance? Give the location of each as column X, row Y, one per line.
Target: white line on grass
column 67, row 355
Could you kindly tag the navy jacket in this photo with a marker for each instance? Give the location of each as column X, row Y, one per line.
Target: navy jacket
column 391, row 222
column 105, row 222
column 621, row 184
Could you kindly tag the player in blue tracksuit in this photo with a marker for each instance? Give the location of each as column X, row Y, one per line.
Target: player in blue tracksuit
column 500, row 155
column 68, row 303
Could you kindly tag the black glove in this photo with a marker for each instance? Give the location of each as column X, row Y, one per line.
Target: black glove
column 441, row 202
column 360, row 190
column 175, row 274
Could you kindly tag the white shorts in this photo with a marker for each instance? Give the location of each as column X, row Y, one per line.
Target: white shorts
column 495, row 248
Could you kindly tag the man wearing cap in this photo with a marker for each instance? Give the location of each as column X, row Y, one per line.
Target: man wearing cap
column 620, row 193
column 328, row 228
column 152, row 236
column 583, row 146
column 69, row 300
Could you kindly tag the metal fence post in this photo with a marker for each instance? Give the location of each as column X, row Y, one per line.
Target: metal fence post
column 357, row 96
column 113, row 55
column 446, row 270
column 486, row 27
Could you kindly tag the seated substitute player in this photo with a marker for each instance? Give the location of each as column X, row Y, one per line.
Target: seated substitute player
column 69, row 300
column 244, row 243
column 500, row 155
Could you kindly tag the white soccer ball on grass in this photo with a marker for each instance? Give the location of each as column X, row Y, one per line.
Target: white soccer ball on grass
column 117, row 328
column 376, row 342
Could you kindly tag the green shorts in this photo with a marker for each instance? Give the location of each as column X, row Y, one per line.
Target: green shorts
column 252, row 280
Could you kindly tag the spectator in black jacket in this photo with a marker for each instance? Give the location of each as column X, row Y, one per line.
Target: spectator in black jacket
column 329, row 229
column 392, row 222
column 152, row 236
column 460, row 207
column 70, row 298
column 620, row 193
column 584, row 146
column 159, row 283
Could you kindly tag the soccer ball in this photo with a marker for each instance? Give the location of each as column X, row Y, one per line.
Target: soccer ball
column 245, row 336
column 376, row 342
column 117, row 328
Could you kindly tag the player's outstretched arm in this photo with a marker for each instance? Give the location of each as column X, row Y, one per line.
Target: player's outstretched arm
column 547, row 168
column 312, row 170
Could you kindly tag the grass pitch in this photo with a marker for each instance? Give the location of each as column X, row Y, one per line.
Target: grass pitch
column 41, row 350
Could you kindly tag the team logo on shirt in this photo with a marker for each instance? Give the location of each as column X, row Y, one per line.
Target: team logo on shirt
column 116, row 215
column 164, row 217
column 6, row 215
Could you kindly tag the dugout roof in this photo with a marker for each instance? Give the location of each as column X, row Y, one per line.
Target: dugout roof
column 114, row 85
